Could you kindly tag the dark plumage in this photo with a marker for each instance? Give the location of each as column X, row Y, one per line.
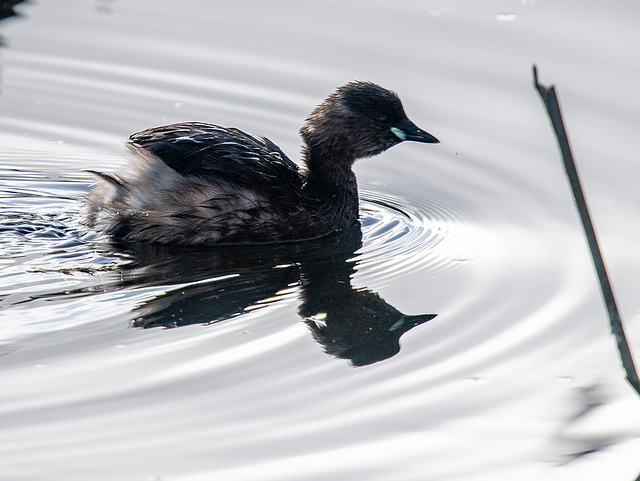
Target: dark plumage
column 202, row 184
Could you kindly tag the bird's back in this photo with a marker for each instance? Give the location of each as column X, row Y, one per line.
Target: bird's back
column 196, row 183
column 210, row 151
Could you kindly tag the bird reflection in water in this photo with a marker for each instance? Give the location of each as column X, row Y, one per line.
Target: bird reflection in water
column 218, row 284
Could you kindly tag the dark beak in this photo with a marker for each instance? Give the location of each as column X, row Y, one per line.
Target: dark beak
column 409, row 131
column 407, row 322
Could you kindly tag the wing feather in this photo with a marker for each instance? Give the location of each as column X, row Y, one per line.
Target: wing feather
column 213, row 152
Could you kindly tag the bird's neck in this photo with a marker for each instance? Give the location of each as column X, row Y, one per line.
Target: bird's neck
column 333, row 184
column 328, row 163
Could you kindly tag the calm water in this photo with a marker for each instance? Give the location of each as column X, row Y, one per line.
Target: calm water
column 323, row 360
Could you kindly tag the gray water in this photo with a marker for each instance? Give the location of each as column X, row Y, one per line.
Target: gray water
column 287, row 363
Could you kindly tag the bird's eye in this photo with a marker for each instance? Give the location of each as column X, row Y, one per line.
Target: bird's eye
column 383, row 118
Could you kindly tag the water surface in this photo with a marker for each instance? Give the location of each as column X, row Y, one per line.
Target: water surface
column 323, row 360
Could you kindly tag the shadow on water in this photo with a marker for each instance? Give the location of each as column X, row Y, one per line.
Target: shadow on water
column 213, row 285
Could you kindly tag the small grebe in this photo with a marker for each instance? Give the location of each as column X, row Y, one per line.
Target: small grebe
column 201, row 184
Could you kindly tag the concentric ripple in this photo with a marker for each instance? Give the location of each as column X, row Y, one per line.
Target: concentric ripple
column 403, row 230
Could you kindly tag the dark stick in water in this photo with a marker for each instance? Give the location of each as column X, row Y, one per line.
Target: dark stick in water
column 550, row 99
